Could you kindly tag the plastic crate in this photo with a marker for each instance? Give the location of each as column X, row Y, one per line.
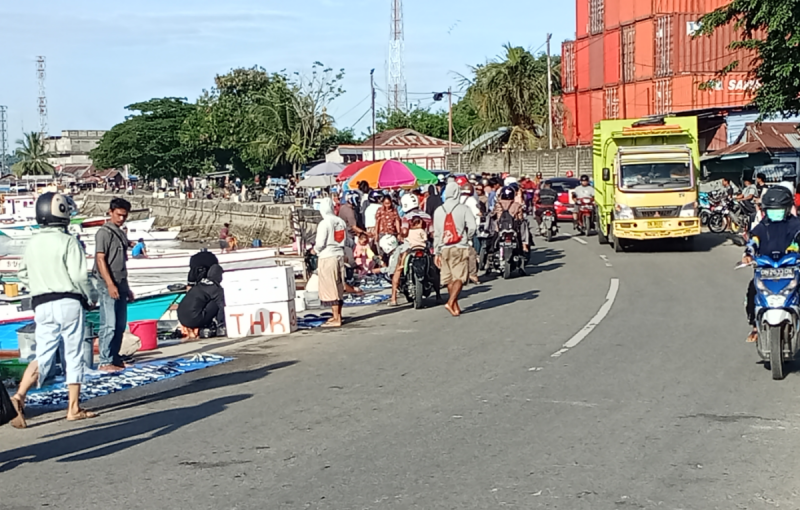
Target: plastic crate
column 12, row 369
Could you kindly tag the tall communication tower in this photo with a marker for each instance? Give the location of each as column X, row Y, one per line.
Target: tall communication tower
column 3, row 140
column 41, row 74
column 396, row 91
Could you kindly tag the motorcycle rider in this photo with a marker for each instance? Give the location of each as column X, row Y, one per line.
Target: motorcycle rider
column 394, row 269
column 546, row 198
column 779, row 231
column 506, row 203
column 585, row 190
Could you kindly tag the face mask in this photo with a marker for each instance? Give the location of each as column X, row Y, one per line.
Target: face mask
column 776, row 214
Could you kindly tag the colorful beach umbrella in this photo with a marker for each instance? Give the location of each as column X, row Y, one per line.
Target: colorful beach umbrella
column 392, row 174
column 327, row 168
column 351, row 169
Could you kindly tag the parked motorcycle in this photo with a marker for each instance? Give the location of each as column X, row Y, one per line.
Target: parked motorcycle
column 777, row 310
column 506, row 255
column 704, row 211
column 419, row 277
column 726, row 214
column 548, row 226
column 585, row 208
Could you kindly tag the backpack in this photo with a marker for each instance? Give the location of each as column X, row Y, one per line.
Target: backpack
column 506, row 221
column 451, row 234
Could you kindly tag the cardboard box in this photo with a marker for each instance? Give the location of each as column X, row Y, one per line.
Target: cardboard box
column 263, row 285
column 261, row 320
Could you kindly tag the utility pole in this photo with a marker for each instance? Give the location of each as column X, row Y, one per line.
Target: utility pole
column 3, row 140
column 450, row 120
column 549, row 94
column 372, row 86
column 41, row 74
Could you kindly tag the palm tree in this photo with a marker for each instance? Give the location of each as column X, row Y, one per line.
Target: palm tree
column 32, row 155
column 511, row 91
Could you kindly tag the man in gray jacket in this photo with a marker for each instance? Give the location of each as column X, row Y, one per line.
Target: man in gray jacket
column 54, row 271
column 454, row 225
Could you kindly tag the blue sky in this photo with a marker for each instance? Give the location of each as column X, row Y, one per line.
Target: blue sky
column 103, row 55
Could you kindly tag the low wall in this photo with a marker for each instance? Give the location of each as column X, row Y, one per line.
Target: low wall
column 202, row 219
column 552, row 163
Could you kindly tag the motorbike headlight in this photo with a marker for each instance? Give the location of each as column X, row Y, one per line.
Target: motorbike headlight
column 789, row 288
column 762, row 288
column 689, row 210
column 623, row 212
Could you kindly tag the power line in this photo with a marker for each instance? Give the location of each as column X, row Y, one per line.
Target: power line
column 353, row 108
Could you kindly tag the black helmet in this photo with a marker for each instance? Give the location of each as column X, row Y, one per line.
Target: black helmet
column 584, row 177
column 777, row 197
column 375, row 196
column 507, row 193
column 52, row 210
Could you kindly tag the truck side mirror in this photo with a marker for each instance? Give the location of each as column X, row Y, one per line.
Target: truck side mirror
column 606, row 174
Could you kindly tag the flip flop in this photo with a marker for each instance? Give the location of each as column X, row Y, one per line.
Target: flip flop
column 331, row 325
column 83, row 415
column 18, row 422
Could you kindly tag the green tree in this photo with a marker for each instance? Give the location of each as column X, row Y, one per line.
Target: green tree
column 431, row 123
column 149, row 141
column 511, row 91
column 769, row 27
column 31, row 157
column 294, row 121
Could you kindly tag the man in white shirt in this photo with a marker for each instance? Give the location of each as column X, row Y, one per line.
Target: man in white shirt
column 585, row 190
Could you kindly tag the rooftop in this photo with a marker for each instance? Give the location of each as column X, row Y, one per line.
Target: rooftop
column 404, row 138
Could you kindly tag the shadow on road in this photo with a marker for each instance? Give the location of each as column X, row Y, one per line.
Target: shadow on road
column 543, row 260
column 108, row 438
column 502, row 300
column 702, row 243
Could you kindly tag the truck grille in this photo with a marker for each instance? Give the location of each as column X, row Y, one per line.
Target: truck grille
column 656, row 212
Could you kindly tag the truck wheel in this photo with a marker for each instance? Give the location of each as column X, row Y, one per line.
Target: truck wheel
column 618, row 248
column 602, row 237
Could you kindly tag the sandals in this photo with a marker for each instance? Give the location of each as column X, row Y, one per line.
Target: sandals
column 19, row 421
column 752, row 337
column 83, row 414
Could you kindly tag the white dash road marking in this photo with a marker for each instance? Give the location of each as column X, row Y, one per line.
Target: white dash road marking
column 605, row 259
column 579, row 240
column 593, row 322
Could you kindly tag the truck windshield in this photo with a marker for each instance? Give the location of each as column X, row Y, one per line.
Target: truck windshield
column 656, row 176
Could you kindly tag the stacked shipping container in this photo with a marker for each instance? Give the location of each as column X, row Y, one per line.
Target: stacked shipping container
column 633, row 58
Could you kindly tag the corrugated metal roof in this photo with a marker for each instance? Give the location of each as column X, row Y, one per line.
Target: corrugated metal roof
column 405, row 138
column 773, row 135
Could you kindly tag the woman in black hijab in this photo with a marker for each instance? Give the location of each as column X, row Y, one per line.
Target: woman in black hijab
column 433, row 201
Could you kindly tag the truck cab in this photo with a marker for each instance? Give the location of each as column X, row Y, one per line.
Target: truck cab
column 646, row 174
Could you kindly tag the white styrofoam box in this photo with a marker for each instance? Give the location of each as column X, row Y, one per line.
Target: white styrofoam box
column 300, row 301
column 261, row 319
column 313, row 283
column 263, row 285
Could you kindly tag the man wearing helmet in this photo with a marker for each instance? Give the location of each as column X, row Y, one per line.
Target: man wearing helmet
column 779, row 232
column 585, row 190
column 349, row 212
column 54, row 271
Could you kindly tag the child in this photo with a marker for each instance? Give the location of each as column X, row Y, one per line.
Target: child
column 364, row 255
column 417, row 233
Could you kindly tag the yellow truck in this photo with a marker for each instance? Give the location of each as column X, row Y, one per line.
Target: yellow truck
column 646, row 173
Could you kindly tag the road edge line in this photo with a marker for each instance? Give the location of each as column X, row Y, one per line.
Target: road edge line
column 601, row 314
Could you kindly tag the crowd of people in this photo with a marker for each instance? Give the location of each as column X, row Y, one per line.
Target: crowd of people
column 367, row 231
column 54, row 270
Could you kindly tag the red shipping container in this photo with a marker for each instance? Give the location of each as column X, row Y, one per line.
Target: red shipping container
column 612, row 103
column 582, row 64
column 629, row 11
column 568, row 81
column 636, row 100
column 581, row 18
column 596, row 58
column 598, row 107
column 611, row 56
column 644, row 41
column 625, row 12
column 678, row 52
column 612, row 14
column 735, row 89
column 568, row 128
column 583, row 118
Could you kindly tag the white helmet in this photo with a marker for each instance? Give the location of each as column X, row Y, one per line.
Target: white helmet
column 788, row 185
column 409, row 202
column 388, row 244
column 509, row 181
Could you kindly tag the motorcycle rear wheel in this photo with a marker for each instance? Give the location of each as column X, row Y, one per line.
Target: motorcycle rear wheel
column 548, row 233
column 418, row 294
column 776, row 352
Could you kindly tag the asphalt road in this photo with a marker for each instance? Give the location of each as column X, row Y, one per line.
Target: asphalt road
column 660, row 404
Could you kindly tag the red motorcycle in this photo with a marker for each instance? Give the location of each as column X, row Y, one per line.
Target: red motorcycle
column 585, row 208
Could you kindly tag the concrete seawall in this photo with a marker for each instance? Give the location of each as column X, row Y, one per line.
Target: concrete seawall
column 202, row 219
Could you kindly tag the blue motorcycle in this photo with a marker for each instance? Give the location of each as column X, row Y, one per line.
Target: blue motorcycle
column 705, row 207
column 777, row 309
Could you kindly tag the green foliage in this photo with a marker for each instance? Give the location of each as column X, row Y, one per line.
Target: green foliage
column 31, row 157
column 769, row 27
column 511, row 91
column 149, row 141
